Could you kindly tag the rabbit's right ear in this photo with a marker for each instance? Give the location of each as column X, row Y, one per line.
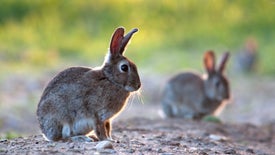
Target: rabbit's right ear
column 209, row 61
column 223, row 61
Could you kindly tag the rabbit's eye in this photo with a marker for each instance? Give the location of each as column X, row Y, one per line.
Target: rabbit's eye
column 124, row 68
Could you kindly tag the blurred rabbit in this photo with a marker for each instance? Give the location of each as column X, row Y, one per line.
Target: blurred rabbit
column 80, row 99
column 246, row 59
column 189, row 95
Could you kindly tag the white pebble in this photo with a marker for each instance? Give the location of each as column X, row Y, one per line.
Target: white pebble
column 218, row 138
column 104, row 145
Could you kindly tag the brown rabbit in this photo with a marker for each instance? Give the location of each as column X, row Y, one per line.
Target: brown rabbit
column 189, row 95
column 79, row 100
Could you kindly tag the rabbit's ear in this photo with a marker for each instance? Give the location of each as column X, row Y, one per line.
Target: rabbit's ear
column 209, row 61
column 119, row 42
column 116, row 41
column 126, row 39
column 223, row 62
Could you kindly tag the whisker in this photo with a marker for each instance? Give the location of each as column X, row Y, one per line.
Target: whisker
column 133, row 97
column 139, row 96
column 130, row 101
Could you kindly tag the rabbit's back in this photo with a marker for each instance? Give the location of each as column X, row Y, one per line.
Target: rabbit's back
column 67, row 76
column 183, row 95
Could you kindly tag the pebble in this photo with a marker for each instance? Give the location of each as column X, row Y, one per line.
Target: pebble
column 230, row 151
column 203, row 153
column 51, row 144
column 131, row 151
column 159, row 150
column 104, row 145
column 250, row 150
column 3, row 140
column 167, row 154
column 218, row 138
column 71, row 145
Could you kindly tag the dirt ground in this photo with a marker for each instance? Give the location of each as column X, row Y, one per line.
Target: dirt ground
column 248, row 123
column 173, row 136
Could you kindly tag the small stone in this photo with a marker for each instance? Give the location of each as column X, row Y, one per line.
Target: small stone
column 167, row 153
column 3, row 140
column 193, row 149
column 230, row 151
column 203, row 153
column 71, row 145
column 250, row 150
column 160, row 150
column 148, row 149
column 217, row 138
column 2, row 150
column 131, row 151
column 174, row 144
column 104, row 145
column 51, row 144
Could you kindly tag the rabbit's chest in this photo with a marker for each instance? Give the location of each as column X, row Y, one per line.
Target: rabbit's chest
column 107, row 102
column 112, row 106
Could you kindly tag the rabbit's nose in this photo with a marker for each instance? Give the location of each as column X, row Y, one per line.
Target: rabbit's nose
column 138, row 85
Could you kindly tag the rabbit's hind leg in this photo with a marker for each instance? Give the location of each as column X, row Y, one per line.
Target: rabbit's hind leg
column 52, row 129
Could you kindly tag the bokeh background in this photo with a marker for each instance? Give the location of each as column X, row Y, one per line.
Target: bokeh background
column 40, row 38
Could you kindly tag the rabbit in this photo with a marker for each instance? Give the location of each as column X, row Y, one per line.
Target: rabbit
column 246, row 59
column 192, row 96
column 80, row 100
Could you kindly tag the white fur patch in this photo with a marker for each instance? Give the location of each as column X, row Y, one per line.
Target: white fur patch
column 66, row 131
column 107, row 57
column 83, row 126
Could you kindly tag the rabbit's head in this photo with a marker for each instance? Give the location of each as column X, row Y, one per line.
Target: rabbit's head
column 216, row 84
column 117, row 68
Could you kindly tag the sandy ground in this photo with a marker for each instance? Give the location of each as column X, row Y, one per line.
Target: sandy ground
column 173, row 136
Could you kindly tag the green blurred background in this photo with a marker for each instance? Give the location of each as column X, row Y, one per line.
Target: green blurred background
column 39, row 38
column 172, row 32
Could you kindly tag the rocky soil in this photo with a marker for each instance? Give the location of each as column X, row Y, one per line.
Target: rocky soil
column 159, row 136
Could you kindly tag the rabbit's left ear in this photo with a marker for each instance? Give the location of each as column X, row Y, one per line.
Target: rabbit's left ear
column 116, row 40
column 223, row 62
column 119, row 42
